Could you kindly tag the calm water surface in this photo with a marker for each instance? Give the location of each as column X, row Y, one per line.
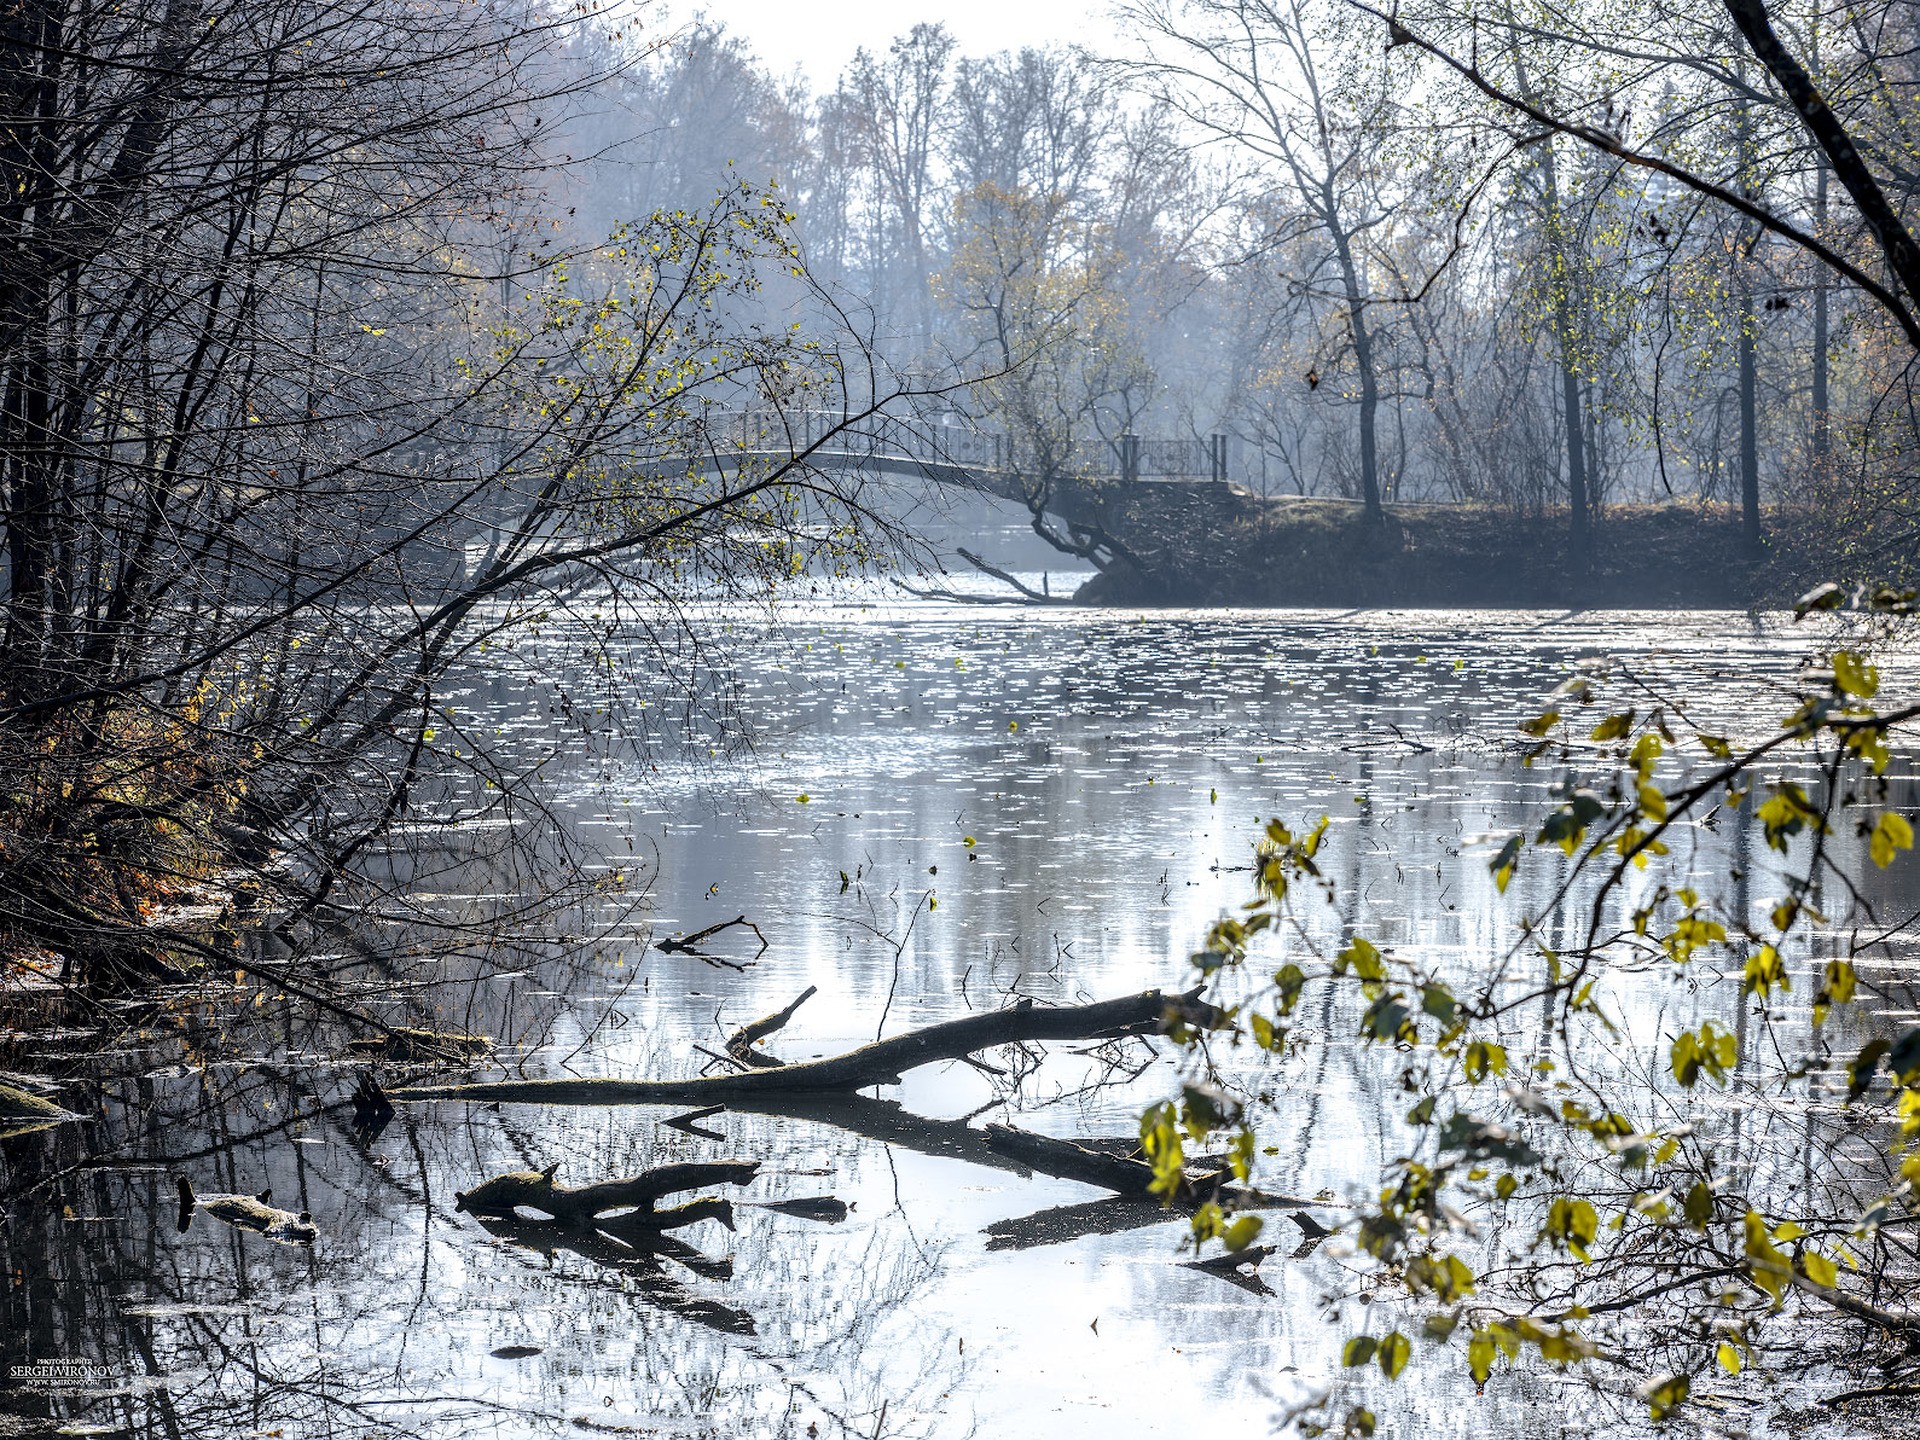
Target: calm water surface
column 944, row 807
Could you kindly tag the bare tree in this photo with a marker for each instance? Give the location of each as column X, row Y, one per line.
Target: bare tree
column 901, row 103
column 297, row 414
column 1257, row 76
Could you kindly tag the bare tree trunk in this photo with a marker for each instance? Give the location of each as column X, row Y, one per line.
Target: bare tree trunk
column 1363, row 362
column 1822, row 422
column 1896, row 243
column 1565, row 322
column 1749, row 430
column 1749, row 417
column 1579, row 537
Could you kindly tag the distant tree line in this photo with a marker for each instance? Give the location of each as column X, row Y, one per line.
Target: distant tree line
column 1384, row 277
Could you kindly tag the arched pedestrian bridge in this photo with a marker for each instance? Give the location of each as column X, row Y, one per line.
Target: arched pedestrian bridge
column 954, row 451
column 947, row 450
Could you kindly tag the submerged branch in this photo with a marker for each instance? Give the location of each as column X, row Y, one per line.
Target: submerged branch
column 690, row 944
column 985, row 567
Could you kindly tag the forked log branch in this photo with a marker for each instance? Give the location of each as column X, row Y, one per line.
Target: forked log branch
column 578, row 1204
column 881, row 1063
column 690, row 944
column 740, row 1044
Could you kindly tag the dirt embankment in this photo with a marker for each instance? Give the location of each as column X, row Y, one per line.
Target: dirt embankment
column 1208, row 545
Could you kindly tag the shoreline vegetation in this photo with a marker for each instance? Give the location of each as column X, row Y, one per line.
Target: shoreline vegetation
column 1212, row 545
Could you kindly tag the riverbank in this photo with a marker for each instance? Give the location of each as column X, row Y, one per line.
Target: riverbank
column 1213, row 546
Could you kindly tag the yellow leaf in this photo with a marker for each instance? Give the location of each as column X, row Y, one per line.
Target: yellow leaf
column 1614, row 727
column 1892, row 834
column 1820, row 1270
column 1854, row 675
column 1393, row 1354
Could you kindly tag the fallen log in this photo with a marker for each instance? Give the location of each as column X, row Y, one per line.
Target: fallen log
column 827, row 1209
column 1237, row 1267
column 503, row 1195
column 372, row 1111
column 22, row 1113
column 247, row 1212
column 1248, row 1259
column 613, row 1243
column 689, row 1123
column 880, row 1063
column 1124, row 1175
column 1131, row 1178
column 887, row 1122
column 1109, row 1215
column 1021, row 1153
column 405, row 1045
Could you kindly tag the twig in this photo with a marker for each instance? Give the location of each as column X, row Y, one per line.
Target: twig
column 689, row 944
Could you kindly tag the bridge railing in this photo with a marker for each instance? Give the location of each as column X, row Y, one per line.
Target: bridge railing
column 889, row 436
column 950, row 440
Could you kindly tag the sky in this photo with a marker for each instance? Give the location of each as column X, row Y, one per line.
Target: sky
column 821, row 37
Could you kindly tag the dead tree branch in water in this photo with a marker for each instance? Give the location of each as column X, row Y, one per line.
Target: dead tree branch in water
column 1125, row 1175
column 1024, row 594
column 985, row 567
column 689, row 1123
column 578, row 1204
column 955, row 597
column 880, row 1063
column 690, row 944
column 824, row 1091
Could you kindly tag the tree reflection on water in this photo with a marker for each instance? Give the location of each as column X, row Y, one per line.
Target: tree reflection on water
column 388, row 1323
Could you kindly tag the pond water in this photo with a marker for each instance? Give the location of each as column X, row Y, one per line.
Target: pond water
column 944, row 807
